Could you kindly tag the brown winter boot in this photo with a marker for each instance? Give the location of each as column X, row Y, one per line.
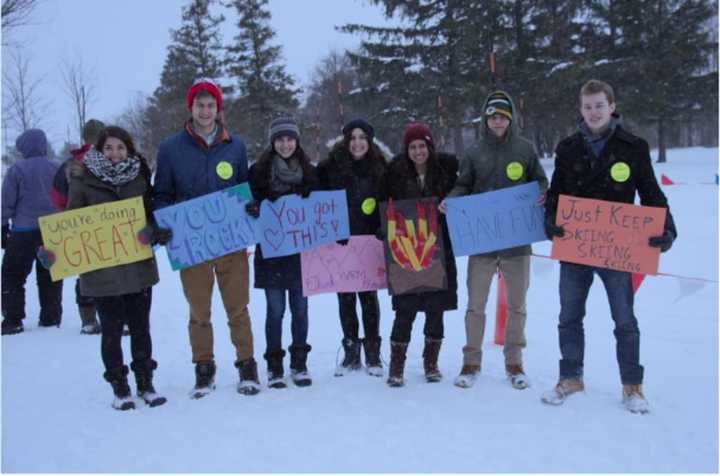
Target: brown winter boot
column 564, row 388
column 398, row 351
column 430, row 359
column 634, row 400
column 516, row 375
column 467, row 376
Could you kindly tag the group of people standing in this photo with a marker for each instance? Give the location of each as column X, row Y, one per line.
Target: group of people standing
column 205, row 157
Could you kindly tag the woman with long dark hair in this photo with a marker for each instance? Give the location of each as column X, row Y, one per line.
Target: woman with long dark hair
column 356, row 165
column 282, row 169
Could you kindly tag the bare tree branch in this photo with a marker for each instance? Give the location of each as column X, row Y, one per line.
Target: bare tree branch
column 79, row 86
column 22, row 105
column 16, row 13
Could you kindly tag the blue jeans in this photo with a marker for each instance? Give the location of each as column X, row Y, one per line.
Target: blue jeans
column 575, row 281
column 275, row 312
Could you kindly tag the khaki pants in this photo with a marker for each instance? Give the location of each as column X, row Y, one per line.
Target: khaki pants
column 516, row 271
column 198, row 281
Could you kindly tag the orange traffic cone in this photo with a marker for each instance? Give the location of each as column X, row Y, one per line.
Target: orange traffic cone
column 500, row 311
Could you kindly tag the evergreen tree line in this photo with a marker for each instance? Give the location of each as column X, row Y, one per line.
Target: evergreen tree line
column 441, row 61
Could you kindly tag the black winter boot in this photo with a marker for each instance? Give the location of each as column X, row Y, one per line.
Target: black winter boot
column 249, row 383
column 398, row 352
column 352, row 357
column 204, row 379
column 119, row 382
column 143, row 378
column 12, row 326
column 373, row 364
column 275, row 369
column 89, row 323
column 298, row 365
column 430, row 359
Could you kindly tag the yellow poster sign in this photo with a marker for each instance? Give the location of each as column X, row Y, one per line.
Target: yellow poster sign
column 95, row 237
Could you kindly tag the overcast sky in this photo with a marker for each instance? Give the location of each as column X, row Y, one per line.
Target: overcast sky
column 125, row 43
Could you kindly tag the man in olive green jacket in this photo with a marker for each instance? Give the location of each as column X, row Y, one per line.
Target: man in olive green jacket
column 500, row 159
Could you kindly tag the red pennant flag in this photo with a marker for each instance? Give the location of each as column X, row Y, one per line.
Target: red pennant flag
column 665, row 180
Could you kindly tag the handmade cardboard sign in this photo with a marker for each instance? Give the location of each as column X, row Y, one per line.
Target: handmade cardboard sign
column 356, row 267
column 495, row 220
column 414, row 254
column 608, row 234
column 292, row 224
column 208, row 227
column 95, row 237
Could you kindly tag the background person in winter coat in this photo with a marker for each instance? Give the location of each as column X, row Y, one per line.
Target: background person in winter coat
column 25, row 197
column 59, row 196
column 356, row 165
column 283, row 169
column 115, row 171
column 205, row 158
column 602, row 161
column 500, row 159
column 421, row 172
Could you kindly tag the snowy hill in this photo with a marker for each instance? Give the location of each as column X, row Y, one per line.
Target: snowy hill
column 56, row 414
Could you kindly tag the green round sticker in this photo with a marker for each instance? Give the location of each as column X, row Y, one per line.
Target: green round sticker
column 620, row 172
column 514, row 171
column 224, row 170
column 368, row 205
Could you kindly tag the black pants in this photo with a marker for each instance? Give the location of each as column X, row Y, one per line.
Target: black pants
column 80, row 299
column 402, row 326
column 114, row 312
column 16, row 266
column 370, row 315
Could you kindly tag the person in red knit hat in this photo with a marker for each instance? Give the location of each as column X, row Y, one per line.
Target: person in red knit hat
column 418, row 172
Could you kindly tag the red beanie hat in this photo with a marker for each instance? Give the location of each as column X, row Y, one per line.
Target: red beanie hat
column 209, row 86
column 418, row 130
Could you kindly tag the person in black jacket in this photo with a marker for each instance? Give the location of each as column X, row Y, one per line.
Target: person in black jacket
column 356, row 165
column 419, row 171
column 282, row 169
column 601, row 161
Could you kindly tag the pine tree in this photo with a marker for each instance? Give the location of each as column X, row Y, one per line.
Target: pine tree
column 194, row 53
column 264, row 89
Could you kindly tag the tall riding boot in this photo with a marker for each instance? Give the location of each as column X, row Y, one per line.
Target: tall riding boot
column 398, row 351
column 430, row 359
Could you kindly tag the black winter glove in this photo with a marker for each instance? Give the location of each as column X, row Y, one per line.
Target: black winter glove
column 252, row 208
column 153, row 234
column 5, row 235
column 342, row 242
column 379, row 235
column 273, row 196
column 552, row 230
column 664, row 241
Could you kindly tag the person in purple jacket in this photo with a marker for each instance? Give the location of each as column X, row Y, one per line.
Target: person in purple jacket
column 25, row 198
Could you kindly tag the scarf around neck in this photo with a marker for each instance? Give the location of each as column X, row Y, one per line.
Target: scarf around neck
column 113, row 174
column 285, row 173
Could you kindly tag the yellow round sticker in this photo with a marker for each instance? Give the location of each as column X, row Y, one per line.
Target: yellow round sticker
column 620, row 172
column 514, row 171
column 224, row 170
column 368, row 205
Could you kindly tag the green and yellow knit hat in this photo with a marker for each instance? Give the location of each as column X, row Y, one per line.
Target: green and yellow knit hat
column 499, row 103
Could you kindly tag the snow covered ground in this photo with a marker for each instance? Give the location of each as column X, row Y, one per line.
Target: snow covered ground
column 56, row 414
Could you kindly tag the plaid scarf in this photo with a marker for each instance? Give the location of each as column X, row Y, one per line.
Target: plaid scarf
column 113, row 174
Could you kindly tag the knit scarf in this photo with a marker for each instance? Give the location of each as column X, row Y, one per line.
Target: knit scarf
column 285, row 173
column 113, row 174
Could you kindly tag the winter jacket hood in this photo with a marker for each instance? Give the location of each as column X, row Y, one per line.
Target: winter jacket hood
column 32, row 143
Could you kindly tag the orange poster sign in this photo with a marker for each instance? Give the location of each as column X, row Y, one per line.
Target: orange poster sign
column 608, row 234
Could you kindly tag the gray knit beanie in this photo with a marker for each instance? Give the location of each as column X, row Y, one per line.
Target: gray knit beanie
column 283, row 126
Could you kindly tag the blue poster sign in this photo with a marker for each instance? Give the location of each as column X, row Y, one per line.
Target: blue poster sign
column 292, row 224
column 208, row 227
column 495, row 220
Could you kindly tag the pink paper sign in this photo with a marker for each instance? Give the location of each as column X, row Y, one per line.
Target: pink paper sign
column 608, row 234
column 358, row 266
